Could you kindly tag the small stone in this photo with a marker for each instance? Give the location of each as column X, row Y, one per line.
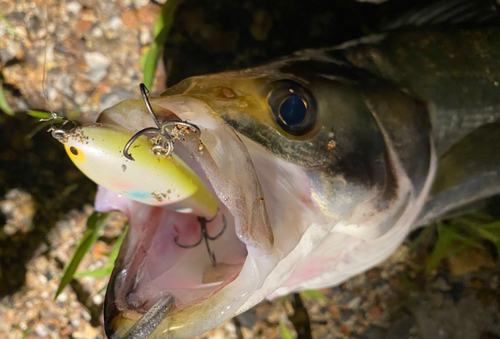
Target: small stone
column 108, row 100
column 334, row 312
column 98, row 64
column 73, row 7
column 375, row 311
column 115, row 22
column 354, row 303
column 41, row 330
column 140, row 3
column 145, row 36
column 63, row 84
column 62, row 297
column 82, row 26
column 129, row 19
column 148, row 14
column 441, row 284
column 18, row 208
column 96, row 32
column 97, row 299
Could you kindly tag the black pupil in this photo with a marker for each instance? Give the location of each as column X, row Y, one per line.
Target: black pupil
column 293, row 110
column 73, row 150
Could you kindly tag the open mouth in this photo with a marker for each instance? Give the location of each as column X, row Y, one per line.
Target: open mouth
column 172, row 255
column 179, row 254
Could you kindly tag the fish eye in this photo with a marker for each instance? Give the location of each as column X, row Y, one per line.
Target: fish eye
column 293, row 106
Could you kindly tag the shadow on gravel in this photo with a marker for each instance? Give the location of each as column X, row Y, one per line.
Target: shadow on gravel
column 39, row 167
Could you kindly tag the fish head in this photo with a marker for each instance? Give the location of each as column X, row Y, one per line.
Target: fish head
column 300, row 169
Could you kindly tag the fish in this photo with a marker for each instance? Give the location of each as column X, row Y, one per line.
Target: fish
column 297, row 174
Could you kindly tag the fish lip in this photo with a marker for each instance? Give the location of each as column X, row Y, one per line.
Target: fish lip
column 111, row 311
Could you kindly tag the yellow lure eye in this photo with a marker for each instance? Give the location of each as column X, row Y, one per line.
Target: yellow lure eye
column 74, row 153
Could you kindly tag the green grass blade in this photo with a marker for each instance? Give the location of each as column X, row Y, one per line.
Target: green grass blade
column 313, row 294
column 116, row 248
column 11, row 28
column 99, row 273
column 4, row 105
column 487, row 234
column 285, row 332
column 492, row 227
column 106, row 271
column 95, row 224
column 469, row 241
column 150, row 64
column 39, row 114
column 442, row 248
column 162, row 29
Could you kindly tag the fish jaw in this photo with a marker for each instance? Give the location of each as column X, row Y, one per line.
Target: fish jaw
column 247, row 253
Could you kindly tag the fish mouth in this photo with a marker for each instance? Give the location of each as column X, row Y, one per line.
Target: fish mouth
column 154, row 261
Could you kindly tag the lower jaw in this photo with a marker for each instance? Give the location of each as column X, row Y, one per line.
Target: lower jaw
column 154, row 265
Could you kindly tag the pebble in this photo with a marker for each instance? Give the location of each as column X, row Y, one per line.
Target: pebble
column 98, row 64
column 97, row 299
column 18, row 209
column 41, row 330
column 354, row 303
column 73, row 7
column 108, row 100
column 115, row 23
column 129, row 19
column 62, row 297
column 63, row 83
column 140, row 3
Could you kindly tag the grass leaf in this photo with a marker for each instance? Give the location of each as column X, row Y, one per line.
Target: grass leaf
column 106, row 270
column 313, row 294
column 95, row 224
column 99, row 273
column 285, row 332
column 10, row 26
column 4, row 105
column 442, row 248
column 39, row 114
column 162, row 29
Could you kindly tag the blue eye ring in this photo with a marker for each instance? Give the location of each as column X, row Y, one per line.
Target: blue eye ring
column 293, row 106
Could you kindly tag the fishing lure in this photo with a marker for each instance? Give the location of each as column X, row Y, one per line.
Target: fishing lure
column 155, row 175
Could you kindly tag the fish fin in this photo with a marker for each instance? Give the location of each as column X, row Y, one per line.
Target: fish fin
column 467, row 174
column 446, row 12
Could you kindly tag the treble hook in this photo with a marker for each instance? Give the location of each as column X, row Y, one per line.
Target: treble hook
column 164, row 144
column 205, row 236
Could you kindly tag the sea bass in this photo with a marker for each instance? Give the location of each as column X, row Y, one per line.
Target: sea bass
column 297, row 174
